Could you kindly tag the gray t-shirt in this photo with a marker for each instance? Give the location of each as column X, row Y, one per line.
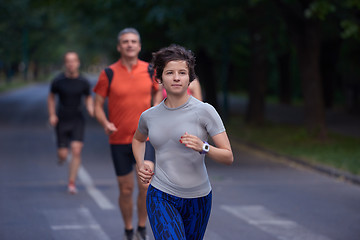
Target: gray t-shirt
column 179, row 170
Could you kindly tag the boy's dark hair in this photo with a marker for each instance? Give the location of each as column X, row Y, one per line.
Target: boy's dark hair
column 173, row 53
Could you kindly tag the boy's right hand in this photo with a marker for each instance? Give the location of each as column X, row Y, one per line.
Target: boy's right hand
column 53, row 120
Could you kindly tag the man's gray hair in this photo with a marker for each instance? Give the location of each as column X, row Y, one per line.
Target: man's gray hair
column 129, row 30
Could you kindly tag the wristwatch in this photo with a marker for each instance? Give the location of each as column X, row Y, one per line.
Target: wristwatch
column 205, row 148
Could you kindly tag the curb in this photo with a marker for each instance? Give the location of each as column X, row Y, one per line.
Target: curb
column 272, row 155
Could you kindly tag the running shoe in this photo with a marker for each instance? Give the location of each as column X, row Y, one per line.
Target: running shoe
column 72, row 189
column 141, row 235
column 61, row 161
column 129, row 236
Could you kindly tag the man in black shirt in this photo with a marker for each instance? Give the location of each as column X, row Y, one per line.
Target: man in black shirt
column 68, row 118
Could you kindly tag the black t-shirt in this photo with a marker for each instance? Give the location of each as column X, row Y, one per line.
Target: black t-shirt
column 70, row 92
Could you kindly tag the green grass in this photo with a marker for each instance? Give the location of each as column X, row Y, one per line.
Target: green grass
column 19, row 82
column 339, row 151
column 11, row 85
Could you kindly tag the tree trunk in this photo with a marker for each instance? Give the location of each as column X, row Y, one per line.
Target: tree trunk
column 306, row 36
column 308, row 48
column 255, row 113
column 329, row 61
column 284, row 78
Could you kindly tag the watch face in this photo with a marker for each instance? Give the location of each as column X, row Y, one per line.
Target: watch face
column 205, row 148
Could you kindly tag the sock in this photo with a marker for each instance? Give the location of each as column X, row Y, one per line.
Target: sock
column 140, row 229
column 129, row 232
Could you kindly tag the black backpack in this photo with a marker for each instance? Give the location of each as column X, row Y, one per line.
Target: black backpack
column 110, row 74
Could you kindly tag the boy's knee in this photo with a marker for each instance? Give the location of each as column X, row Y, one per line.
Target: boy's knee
column 62, row 153
column 76, row 152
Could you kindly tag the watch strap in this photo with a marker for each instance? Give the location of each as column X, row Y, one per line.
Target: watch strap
column 203, row 151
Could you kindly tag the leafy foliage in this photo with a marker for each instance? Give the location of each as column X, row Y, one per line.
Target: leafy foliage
column 42, row 31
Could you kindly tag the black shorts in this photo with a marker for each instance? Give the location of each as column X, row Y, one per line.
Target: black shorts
column 123, row 157
column 67, row 131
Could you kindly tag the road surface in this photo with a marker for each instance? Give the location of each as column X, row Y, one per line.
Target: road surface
column 254, row 199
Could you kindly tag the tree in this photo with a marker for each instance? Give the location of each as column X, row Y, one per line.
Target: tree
column 305, row 20
column 305, row 33
column 205, row 27
column 255, row 113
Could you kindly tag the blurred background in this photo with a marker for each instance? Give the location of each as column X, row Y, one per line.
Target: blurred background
column 302, row 54
column 283, row 74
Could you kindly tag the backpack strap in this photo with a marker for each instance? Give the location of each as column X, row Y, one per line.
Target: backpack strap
column 109, row 73
column 151, row 71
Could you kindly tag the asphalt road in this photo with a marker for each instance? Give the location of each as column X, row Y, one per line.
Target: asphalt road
column 254, row 199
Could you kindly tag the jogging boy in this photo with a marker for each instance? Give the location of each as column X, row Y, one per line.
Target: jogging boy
column 67, row 118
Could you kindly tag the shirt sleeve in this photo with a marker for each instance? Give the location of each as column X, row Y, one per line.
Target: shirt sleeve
column 102, row 85
column 54, row 87
column 142, row 126
column 211, row 120
column 87, row 87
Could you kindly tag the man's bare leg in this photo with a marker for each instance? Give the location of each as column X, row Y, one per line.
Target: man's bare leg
column 62, row 154
column 126, row 187
column 76, row 148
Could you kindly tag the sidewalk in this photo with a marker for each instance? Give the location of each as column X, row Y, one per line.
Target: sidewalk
column 337, row 121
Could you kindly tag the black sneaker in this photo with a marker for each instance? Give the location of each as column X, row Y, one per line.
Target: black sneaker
column 129, row 235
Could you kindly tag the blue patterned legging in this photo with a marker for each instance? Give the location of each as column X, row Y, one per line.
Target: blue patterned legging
column 175, row 218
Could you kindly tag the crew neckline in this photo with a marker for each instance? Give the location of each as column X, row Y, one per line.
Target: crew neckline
column 181, row 106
